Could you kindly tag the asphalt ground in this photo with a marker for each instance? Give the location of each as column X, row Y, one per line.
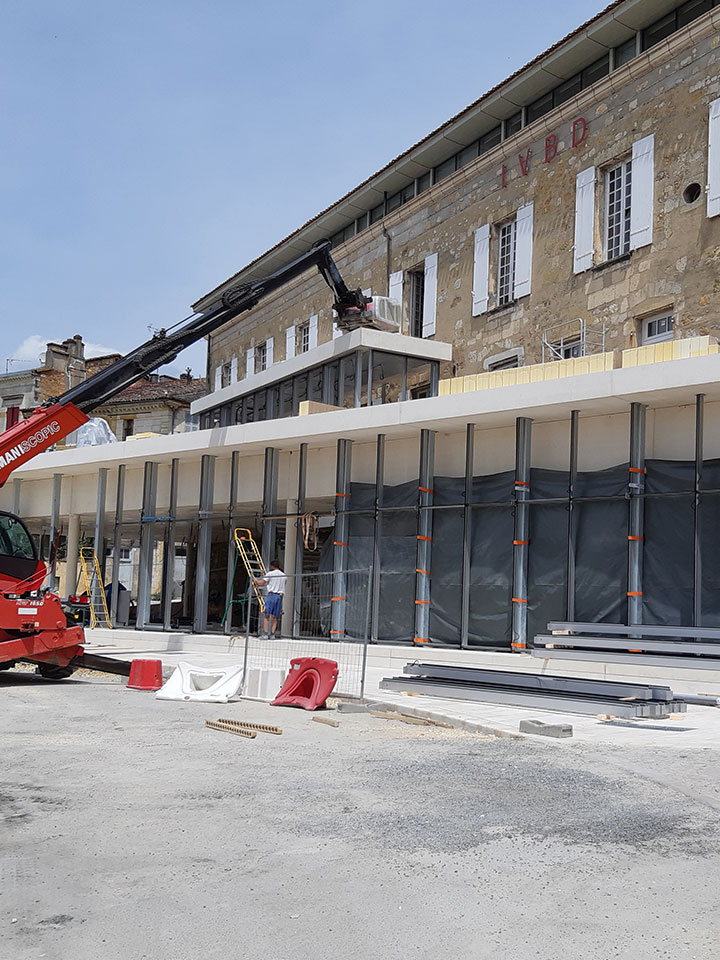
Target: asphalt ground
column 129, row 830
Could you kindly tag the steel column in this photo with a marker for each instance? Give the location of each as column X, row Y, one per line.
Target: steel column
column 204, row 542
column 99, row 534
column 232, row 554
column 51, row 580
column 572, row 516
column 377, row 537
column 636, row 509
column 697, row 543
column 423, row 562
column 147, row 543
column 340, row 545
column 16, row 496
column 269, row 505
column 299, row 544
column 72, row 549
column 117, row 540
column 169, row 550
column 467, row 535
column 523, row 427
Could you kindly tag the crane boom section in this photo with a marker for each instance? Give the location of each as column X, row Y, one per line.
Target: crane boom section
column 62, row 415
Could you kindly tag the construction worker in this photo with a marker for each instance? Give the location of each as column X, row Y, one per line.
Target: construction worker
column 275, row 581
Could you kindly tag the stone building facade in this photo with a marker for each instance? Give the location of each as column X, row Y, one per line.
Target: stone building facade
column 592, row 226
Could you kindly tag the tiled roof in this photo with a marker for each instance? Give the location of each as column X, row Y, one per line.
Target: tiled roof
column 166, row 388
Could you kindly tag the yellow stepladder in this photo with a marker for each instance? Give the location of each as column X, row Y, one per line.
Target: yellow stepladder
column 95, row 588
column 250, row 556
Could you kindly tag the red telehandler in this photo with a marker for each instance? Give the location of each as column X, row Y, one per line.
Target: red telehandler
column 34, row 627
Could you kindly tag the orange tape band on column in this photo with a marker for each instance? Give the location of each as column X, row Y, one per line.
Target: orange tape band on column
column 521, row 543
column 518, row 600
column 425, row 538
column 426, row 489
column 636, row 538
column 342, row 494
column 518, row 646
column 637, row 593
column 421, row 639
column 337, row 631
column 333, row 599
column 422, row 601
column 426, row 572
column 637, row 470
column 339, row 543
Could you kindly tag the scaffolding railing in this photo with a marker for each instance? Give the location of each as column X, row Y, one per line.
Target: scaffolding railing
column 572, row 338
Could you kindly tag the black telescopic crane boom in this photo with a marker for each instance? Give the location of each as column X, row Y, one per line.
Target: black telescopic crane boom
column 163, row 347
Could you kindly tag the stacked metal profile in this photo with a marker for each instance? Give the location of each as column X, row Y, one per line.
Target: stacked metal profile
column 663, row 646
column 561, row 694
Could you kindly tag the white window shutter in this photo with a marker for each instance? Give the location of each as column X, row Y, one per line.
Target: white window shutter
column 395, row 287
column 584, row 252
column 290, row 342
column 233, row 370
column 430, row 299
column 481, row 270
column 713, row 178
column 642, row 196
column 313, row 331
column 523, row 251
column 250, row 361
column 269, row 351
column 337, row 332
column 218, row 377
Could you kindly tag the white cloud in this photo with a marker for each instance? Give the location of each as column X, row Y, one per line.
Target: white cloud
column 32, row 350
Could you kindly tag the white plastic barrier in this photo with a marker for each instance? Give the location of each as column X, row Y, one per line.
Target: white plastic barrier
column 201, row 684
column 263, row 684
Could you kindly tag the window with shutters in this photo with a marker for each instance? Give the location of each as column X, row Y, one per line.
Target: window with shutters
column 12, row 416
column 618, row 193
column 225, row 374
column 656, row 329
column 417, row 301
column 260, row 357
column 506, row 263
column 303, row 338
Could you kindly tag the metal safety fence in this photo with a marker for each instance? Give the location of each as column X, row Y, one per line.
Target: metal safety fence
column 323, row 615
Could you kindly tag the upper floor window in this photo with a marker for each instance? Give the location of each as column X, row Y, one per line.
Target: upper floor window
column 506, row 263
column 260, row 357
column 225, row 374
column 657, row 329
column 617, row 210
column 303, row 338
column 417, row 302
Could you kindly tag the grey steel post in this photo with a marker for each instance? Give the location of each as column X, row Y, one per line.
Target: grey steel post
column 147, row 544
column 697, row 543
column 204, row 543
column 99, row 541
column 16, row 496
column 377, row 537
column 338, row 600
column 572, row 517
column 117, row 541
column 423, row 554
column 232, row 554
column 299, row 545
column 52, row 578
column 521, row 541
column 467, row 535
column 269, row 505
column 169, row 551
column 636, row 490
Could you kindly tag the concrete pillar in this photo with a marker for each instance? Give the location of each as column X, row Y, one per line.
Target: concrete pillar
column 71, row 553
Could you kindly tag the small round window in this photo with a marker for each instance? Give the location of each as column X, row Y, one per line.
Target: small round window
column 692, row 192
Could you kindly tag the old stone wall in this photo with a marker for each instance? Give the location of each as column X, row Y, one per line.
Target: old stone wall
column 665, row 91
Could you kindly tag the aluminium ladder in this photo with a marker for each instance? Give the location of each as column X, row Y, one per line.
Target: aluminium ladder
column 250, row 555
column 94, row 587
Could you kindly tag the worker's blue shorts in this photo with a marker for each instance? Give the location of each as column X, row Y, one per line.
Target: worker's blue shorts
column 273, row 604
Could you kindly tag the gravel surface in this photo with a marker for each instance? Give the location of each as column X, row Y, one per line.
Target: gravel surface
column 130, row 830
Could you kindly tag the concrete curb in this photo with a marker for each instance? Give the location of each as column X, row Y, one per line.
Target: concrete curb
column 457, row 723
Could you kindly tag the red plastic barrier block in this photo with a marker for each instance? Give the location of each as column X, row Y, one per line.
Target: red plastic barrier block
column 146, row 675
column 309, row 683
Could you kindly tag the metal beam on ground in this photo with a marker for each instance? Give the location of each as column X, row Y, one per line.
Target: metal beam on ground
column 678, row 663
column 621, row 629
column 534, row 681
column 555, row 702
column 684, row 647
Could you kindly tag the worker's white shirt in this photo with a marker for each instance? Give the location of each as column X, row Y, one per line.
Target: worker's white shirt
column 276, row 581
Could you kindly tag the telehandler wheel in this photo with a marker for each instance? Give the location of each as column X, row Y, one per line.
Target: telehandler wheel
column 7, row 665
column 51, row 671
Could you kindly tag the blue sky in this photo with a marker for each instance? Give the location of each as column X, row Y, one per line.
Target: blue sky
column 154, row 148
